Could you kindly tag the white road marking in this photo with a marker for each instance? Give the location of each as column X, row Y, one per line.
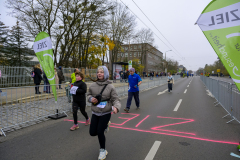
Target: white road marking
column 235, row 155
column 153, row 150
column 162, row 92
column 188, row 86
column 178, row 105
column 185, row 91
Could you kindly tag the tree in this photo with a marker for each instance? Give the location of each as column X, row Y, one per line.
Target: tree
column 121, row 26
column 3, row 44
column 145, row 37
column 18, row 52
column 136, row 64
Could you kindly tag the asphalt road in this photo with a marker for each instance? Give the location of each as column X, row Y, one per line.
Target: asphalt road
column 185, row 123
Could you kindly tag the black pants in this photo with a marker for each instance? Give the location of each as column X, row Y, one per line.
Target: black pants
column 136, row 97
column 37, row 88
column 60, row 82
column 82, row 106
column 169, row 87
column 98, row 126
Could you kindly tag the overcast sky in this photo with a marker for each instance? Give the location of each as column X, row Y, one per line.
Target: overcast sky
column 175, row 19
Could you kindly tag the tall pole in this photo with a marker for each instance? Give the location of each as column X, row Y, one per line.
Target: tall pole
column 166, row 61
column 166, row 55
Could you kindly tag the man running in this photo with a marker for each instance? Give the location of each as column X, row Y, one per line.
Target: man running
column 134, row 81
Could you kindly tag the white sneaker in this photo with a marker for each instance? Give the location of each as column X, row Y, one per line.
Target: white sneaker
column 107, row 129
column 102, row 155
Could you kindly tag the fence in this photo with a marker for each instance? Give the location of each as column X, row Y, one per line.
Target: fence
column 21, row 76
column 226, row 94
column 21, row 107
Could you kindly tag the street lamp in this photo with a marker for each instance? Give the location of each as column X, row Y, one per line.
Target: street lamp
column 165, row 54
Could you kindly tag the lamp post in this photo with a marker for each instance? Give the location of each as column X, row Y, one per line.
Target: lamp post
column 165, row 54
column 166, row 60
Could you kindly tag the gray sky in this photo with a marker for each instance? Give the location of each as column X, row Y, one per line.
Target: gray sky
column 175, row 20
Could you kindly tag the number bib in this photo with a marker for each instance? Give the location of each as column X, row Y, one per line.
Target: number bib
column 73, row 90
column 102, row 104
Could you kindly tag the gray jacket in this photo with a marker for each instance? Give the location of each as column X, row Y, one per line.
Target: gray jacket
column 109, row 93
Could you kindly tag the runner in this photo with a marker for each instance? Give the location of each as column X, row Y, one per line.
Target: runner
column 134, row 80
column 104, row 99
column 79, row 99
column 170, row 82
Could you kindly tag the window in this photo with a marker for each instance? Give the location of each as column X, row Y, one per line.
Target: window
column 139, row 47
column 131, row 47
column 135, row 54
column 118, row 54
column 126, row 48
column 139, row 62
column 135, row 47
column 130, row 54
column 139, row 54
column 126, row 54
column 122, row 54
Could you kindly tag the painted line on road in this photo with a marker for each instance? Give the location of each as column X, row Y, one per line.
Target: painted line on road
column 234, row 155
column 185, row 91
column 178, row 105
column 188, row 86
column 142, row 121
column 153, row 150
column 162, row 92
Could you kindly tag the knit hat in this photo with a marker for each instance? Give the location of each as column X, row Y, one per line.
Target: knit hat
column 105, row 70
column 132, row 69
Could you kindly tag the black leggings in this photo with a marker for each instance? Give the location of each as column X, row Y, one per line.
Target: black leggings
column 98, row 126
column 82, row 106
column 37, row 88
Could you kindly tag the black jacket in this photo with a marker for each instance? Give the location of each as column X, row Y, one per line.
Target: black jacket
column 80, row 93
column 60, row 75
column 37, row 76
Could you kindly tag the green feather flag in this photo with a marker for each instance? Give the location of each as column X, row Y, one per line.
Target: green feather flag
column 43, row 49
column 220, row 23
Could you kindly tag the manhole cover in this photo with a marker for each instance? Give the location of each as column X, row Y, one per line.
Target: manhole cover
column 184, row 143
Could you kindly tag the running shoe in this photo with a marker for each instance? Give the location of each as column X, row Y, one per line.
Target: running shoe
column 87, row 122
column 102, row 155
column 126, row 110
column 137, row 108
column 108, row 125
column 74, row 127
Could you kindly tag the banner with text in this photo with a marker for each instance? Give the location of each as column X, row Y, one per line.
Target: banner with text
column 220, row 23
column 43, row 49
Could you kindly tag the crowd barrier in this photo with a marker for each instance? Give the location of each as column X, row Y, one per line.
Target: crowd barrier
column 226, row 94
column 21, row 107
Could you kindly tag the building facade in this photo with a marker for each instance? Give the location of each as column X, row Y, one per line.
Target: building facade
column 148, row 56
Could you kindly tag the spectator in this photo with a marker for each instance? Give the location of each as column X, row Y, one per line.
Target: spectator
column 73, row 77
column 61, row 76
column 37, row 78
column 56, row 77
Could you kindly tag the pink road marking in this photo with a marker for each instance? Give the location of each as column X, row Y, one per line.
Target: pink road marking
column 202, row 139
column 73, row 121
column 128, row 119
column 142, row 121
column 174, row 131
column 175, row 135
column 186, row 121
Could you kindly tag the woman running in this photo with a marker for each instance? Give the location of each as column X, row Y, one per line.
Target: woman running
column 102, row 106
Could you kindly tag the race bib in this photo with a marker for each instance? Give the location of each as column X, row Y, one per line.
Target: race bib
column 102, row 104
column 73, row 90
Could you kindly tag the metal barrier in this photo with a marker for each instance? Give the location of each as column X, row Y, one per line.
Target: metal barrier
column 21, row 106
column 13, row 76
column 226, row 94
